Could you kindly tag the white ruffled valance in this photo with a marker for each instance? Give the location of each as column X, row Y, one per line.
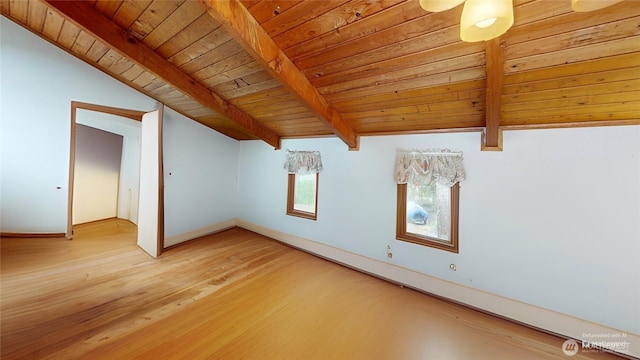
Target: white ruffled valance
column 303, row 162
column 425, row 166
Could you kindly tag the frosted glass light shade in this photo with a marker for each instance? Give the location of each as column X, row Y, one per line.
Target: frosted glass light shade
column 589, row 5
column 439, row 5
column 485, row 19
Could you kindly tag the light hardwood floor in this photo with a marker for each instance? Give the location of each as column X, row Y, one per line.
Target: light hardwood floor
column 231, row 295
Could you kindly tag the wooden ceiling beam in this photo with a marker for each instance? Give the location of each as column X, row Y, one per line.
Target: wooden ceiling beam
column 87, row 18
column 492, row 134
column 239, row 22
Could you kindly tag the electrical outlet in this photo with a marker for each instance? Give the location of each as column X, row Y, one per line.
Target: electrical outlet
column 452, row 267
column 389, row 253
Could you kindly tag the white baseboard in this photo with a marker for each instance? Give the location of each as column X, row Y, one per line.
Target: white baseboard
column 531, row 315
column 190, row 235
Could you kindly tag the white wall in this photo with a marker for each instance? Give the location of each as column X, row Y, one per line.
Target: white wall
column 38, row 83
column 130, row 164
column 551, row 221
column 200, row 176
column 96, row 174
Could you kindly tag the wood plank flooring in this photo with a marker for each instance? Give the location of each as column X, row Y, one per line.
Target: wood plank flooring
column 231, row 295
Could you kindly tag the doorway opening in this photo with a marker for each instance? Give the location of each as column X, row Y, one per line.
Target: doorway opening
column 101, row 185
column 129, row 183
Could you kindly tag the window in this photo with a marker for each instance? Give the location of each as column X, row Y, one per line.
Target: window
column 428, row 215
column 428, row 197
column 302, row 195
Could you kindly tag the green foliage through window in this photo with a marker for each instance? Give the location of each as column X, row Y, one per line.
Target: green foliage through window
column 305, row 192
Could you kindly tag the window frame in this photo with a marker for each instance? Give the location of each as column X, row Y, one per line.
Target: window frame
column 401, row 222
column 291, row 188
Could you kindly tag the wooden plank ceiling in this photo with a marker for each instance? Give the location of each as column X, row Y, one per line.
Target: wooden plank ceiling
column 268, row 69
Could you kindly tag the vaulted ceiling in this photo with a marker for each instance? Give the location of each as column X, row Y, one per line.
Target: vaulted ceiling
column 269, row 69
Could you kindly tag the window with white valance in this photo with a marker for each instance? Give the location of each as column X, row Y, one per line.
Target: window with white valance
column 302, row 195
column 428, row 197
column 426, row 166
column 303, row 162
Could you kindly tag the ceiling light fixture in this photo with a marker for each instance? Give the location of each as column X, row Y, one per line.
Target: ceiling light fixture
column 487, row 19
column 486, row 23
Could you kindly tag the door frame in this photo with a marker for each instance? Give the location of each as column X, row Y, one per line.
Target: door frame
column 127, row 113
